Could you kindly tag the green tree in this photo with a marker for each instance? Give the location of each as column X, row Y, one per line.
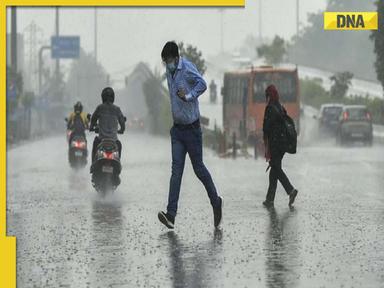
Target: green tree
column 330, row 50
column 378, row 39
column 273, row 53
column 312, row 89
column 194, row 55
column 341, row 82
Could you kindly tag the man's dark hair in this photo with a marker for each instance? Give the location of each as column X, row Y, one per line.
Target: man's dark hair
column 170, row 50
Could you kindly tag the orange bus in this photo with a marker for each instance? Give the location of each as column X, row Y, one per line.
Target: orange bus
column 244, row 100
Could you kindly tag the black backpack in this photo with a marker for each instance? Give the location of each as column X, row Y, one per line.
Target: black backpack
column 290, row 145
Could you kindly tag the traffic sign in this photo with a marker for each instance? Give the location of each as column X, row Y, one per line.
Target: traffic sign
column 65, row 47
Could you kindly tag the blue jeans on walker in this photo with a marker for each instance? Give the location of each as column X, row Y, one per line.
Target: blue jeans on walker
column 188, row 141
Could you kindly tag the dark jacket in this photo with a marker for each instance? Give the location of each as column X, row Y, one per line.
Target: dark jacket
column 109, row 116
column 273, row 127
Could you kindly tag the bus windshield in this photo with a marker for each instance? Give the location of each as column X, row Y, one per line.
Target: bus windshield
column 285, row 83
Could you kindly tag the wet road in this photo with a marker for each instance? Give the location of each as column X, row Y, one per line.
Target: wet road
column 68, row 237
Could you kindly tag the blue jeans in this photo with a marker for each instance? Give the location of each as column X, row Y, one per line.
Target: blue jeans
column 188, row 141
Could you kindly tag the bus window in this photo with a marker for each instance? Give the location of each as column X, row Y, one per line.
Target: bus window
column 287, row 88
column 240, row 91
column 259, row 90
column 244, row 91
column 235, row 84
column 230, row 90
column 234, row 89
column 284, row 82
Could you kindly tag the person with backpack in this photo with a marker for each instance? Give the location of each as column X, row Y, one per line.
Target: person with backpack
column 279, row 138
column 77, row 122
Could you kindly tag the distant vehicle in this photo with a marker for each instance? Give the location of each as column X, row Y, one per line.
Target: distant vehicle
column 244, row 100
column 355, row 123
column 329, row 117
column 136, row 124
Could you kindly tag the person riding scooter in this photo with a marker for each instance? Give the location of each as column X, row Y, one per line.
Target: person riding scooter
column 77, row 122
column 108, row 116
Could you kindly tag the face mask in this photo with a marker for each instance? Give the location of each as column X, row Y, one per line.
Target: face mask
column 171, row 67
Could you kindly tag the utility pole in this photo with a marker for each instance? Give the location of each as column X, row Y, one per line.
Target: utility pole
column 57, row 71
column 95, row 30
column 297, row 17
column 13, row 39
column 41, row 66
column 58, row 93
column 34, row 33
column 221, row 30
column 297, row 27
column 260, row 23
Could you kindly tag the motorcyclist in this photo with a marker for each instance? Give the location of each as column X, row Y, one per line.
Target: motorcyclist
column 77, row 121
column 107, row 116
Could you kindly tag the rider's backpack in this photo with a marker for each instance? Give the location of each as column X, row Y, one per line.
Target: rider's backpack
column 290, row 132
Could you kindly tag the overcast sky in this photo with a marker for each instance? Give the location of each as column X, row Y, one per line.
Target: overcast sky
column 129, row 35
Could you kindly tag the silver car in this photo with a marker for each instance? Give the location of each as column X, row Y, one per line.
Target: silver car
column 355, row 123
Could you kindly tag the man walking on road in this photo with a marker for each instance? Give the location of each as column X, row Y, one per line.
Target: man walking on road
column 185, row 85
column 274, row 140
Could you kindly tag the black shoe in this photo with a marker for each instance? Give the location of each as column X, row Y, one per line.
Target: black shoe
column 268, row 204
column 166, row 219
column 218, row 213
column 292, row 196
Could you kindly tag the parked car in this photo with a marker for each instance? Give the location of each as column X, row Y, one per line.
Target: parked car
column 329, row 117
column 355, row 123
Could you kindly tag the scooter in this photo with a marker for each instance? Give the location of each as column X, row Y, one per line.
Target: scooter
column 106, row 168
column 77, row 152
column 77, row 149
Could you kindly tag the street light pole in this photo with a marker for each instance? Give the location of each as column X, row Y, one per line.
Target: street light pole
column 260, row 22
column 221, row 30
column 297, row 17
column 57, row 70
column 41, row 66
column 13, row 39
column 95, row 30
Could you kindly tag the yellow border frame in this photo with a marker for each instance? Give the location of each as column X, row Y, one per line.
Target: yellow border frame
column 8, row 244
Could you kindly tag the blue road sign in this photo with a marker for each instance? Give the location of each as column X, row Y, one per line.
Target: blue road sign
column 65, row 47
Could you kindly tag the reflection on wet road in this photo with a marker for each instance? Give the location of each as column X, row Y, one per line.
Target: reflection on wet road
column 193, row 266
column 106, row 242
column 282, row 250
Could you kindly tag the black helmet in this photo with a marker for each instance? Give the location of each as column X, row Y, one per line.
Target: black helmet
column 108, row 95
column 78, row 107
